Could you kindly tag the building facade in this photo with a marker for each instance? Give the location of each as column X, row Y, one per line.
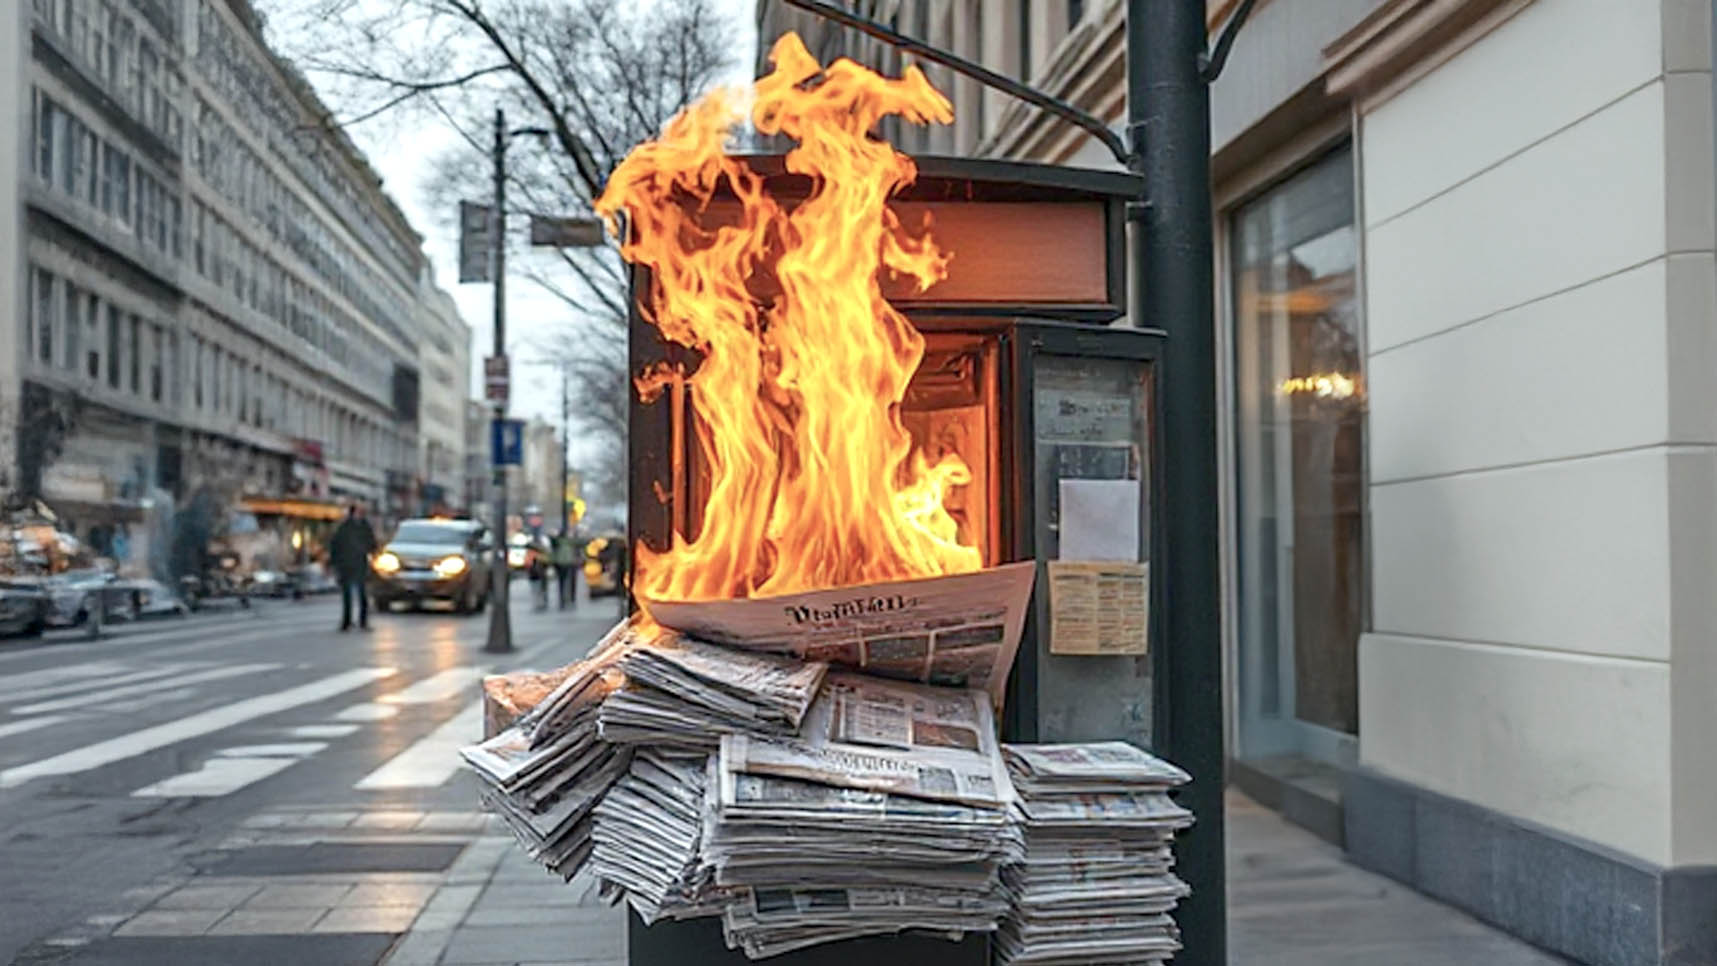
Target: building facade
column 444, row 360
column 213, row 293
column 1465, row 313
column 542, row 474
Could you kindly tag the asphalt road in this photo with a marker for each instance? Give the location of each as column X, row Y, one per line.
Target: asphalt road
column 123, row 760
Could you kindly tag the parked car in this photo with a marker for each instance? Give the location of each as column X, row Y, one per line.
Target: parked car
column 444, row 560
column 75, row 595
column 24, row 608
column 273, row 583
column 313, row 578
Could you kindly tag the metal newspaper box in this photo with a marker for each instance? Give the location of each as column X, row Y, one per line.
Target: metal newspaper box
column 1052, row 406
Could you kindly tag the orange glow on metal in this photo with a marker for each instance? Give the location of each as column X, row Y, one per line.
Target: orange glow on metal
column 815, row 481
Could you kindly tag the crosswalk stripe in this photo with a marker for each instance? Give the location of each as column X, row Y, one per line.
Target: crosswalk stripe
column 216, row 777
column 94, row 700
column 98, row 683
column 30, row 724
column 128, row 746
column 440, row 686
column 433, row 759
column 17, row 684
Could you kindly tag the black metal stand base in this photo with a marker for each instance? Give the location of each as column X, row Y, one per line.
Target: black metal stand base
column 699, row 941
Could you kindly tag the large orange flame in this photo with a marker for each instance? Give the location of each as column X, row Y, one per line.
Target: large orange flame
column 814, row 480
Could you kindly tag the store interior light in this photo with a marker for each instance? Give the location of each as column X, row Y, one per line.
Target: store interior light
column 1324, row 385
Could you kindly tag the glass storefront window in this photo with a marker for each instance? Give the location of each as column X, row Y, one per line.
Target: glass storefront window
column 1299, row 412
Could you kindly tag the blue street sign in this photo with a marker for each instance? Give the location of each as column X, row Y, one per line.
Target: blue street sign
column 507, row 442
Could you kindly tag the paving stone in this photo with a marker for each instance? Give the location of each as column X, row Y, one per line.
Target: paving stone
column 349, row 949
column 299, row 896
column 448, row 907
column 170, row 922
column 554, row 893
column 453, row 822
column 420, row 947
column 331, row 858
column 480, row 944
column 545, row 916
column 367, row 919
column 388, row 820
column 224, row 896
column 267, row 922
column 389, row 894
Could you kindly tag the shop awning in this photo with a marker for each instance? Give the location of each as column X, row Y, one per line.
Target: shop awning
column 301, row 509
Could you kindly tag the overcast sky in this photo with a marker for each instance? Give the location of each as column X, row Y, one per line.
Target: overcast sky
column 403, row 163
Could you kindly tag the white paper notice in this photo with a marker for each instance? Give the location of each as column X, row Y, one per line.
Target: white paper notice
column 1100, row 520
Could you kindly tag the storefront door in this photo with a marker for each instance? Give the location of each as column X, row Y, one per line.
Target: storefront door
column 1299, row 411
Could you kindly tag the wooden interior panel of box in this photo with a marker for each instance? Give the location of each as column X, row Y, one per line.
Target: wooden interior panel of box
column 1004, row 253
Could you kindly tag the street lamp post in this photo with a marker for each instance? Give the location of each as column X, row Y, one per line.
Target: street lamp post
column 500, row 639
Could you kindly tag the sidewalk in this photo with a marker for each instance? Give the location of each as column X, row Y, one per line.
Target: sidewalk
column 1293, row 900
column 451, row 888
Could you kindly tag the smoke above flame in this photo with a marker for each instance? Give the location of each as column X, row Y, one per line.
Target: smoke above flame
column 814, row 480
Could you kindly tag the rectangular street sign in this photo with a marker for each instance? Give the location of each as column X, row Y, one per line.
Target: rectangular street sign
column 497, row 381
column 570, row 232
column 476, row 242
column 507, row 442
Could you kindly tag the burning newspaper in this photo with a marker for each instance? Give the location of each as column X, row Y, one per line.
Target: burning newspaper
column 958, row 631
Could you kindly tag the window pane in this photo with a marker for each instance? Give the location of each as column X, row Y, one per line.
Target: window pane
column 74, row 326
column 45, row 306
column 134, row 347
column 1300, row 432
column 115, row 326
column 92, row 336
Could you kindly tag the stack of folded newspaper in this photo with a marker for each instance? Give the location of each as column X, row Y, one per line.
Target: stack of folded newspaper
column 687, row 694
column 888, row 813
column 648, row 832
column 544, row 774
column 1095, row 885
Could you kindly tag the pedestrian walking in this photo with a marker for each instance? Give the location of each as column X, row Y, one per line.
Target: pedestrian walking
column 536, row 567
column 565, row 556
column 349, row 551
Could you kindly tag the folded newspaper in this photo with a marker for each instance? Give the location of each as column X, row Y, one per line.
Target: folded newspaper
column 959, row 631
column 890, row 736
column 818, row 862
column 545, row 773
column 803, row 805
column 1095, row 885
column 686, row 693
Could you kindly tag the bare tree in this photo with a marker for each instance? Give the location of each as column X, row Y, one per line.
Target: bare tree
column 600, row 76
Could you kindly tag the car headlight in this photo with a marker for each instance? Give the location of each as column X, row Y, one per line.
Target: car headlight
column 516, row 556
column 450, row 566
column 386, row 563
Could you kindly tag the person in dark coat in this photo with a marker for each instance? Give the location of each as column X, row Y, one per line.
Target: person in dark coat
column 349, row 551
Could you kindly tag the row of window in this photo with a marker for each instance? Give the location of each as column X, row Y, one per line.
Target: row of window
column 103, row 38
column 96, row 341
column 71, row 158
column 228, row 165
column 225, row 257
column 73, row 329
column 241, row 79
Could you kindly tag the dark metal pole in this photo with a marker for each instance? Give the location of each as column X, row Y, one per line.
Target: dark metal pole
column 1168, row 114
column 500, row 640
column 565, row 451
